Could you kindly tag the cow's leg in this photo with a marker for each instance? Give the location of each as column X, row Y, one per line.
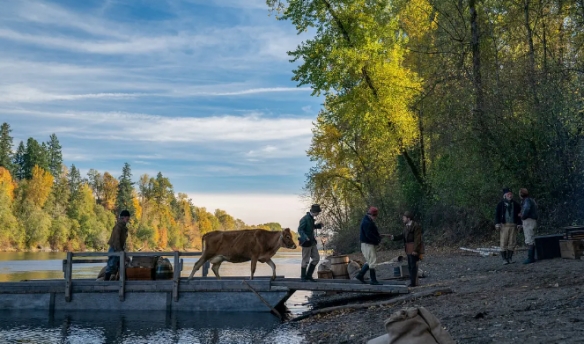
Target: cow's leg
column 273, row 266
column 215, row 269
column 254, row 262
column 197, row 266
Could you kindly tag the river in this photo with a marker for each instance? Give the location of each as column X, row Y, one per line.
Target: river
column 141, row 327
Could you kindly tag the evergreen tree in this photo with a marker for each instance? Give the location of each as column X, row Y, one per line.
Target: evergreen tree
column 5, row 147
column 35, row 155
column 54, row 155
column 125, row 191
column 18, row 162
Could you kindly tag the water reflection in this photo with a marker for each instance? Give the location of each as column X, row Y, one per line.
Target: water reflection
column 143, row 327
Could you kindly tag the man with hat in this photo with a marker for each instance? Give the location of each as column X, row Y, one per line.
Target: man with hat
column 117, row 243
column 506, row 221
column 307, row 239
column 412, row 238
column 370, row 238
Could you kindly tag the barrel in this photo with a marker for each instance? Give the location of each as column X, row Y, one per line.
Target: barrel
column 339, row 266
column 163, row 269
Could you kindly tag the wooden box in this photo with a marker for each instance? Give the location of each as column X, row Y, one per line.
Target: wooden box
column 139, row 274
column 326, row 274
column 571, row 249
column 144, row 262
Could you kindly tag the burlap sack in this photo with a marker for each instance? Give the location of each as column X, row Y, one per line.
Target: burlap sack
column 414, row 325
column 353, row 269
column 325, row 265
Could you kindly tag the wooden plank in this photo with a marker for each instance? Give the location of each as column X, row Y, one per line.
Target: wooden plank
column 347, row 287
column 344, row 281
column 176, row 277
column 137, row 254
column 85, row 261
column 122, row 270
column 68, row 276
column 274, row 311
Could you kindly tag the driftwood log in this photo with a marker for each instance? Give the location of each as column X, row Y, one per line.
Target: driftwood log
column 408, row 297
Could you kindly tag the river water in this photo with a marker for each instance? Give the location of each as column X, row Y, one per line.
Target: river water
column 142, row 327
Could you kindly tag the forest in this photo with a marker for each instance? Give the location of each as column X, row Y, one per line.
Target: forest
column 45, row 205
column 434, row 106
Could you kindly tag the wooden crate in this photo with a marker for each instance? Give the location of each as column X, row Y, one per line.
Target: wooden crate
column 571, row 249
column 139, row 274
column 326, row 274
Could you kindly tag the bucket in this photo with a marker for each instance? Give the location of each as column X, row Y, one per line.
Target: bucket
column 163, row 269
column 339, row 266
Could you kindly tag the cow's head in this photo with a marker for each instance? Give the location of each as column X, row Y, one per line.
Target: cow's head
column 287, row 240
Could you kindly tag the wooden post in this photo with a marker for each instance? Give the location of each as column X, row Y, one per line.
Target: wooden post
column 272, row 309
column 68, row 273
column 206, row 268
column 122, row 271
column 176, row 277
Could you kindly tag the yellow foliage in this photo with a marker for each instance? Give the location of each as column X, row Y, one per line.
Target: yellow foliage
column 163, row 238
column 137, row 209
column 7, row 185
column 39, row 186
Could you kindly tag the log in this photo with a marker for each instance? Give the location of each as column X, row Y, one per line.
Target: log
column 409, row 297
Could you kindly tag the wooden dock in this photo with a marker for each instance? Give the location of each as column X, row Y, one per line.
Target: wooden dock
column 176, row 294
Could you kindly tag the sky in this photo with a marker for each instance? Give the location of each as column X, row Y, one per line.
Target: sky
column 199, row 90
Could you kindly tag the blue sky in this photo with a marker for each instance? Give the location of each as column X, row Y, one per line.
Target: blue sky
column 200, row 90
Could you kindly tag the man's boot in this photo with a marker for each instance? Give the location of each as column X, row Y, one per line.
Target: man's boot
column 361, row 273
column 504, row 256
column 309, row 272
column 530, row 255
column 373, row 277
column 510, row 257
column 303, row 274
column 107, row 276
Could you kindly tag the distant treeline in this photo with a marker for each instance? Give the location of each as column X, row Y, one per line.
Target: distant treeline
column 43, row 204
column 435, row 106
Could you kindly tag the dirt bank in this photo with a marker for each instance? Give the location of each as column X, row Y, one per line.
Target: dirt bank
column 490, row 303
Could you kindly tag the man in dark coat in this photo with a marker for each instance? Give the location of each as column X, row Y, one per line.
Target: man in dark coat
column 529, row 222
column 307, row 239
column 506, row 221
column 414, row 246
column 117, row 243
column 370, row 238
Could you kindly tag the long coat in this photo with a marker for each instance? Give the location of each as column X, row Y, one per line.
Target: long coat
column 412, row 234
column 119, row 235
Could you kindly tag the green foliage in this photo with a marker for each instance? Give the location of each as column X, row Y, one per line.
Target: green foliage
column 35, row 155
column 435, row 106
column 54, row 155
column 18, row 162
column 5, row 146
column 125, row 190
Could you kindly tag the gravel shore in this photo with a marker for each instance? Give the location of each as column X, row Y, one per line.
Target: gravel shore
column 490, row 303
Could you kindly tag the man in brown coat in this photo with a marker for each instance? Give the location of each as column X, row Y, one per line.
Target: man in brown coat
column 412, row 237
column 117, row 243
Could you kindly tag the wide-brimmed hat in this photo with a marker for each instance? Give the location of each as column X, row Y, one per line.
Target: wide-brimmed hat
column 409, row 215
column 506, row 190
column 124, row 213
column 315, row 208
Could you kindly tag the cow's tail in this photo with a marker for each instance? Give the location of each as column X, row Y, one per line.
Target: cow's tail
column 203, row 240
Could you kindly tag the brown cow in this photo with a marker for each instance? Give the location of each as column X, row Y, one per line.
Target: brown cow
column 242, row 246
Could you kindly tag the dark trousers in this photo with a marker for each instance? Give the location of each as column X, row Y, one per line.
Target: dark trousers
column 413, row 269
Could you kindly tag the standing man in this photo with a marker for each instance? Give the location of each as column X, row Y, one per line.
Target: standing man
column 117, row 243
column 307, row 240
column 529, row 219
column 506, row 220
column 369, row 237
column 412, row 238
